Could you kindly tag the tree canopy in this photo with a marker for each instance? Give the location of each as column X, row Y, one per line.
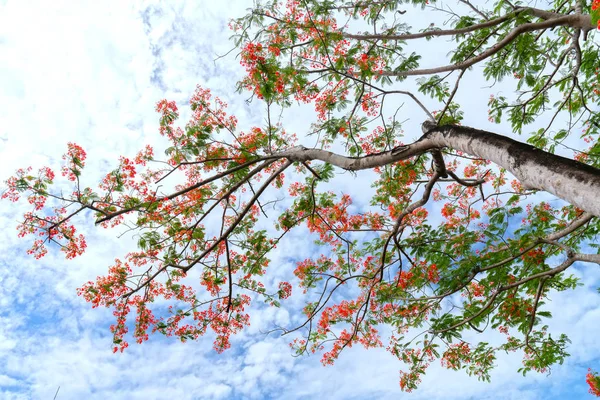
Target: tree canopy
column 458, row 238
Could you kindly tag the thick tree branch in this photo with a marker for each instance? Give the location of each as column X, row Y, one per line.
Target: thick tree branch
column 572, row 181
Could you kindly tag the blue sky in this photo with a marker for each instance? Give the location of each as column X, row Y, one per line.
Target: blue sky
column 90, row 72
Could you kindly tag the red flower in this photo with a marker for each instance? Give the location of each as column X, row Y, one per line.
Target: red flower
column 592, row 378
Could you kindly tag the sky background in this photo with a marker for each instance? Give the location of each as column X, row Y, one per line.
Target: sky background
column 91, row 72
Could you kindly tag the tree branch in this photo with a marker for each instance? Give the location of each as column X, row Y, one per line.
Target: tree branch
column 573, row 20
column 570, row 180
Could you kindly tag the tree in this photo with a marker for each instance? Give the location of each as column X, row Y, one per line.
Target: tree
column 498, row 253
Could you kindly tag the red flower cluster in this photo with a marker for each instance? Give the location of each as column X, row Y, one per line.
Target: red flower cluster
column 596, row 7
column 592, row 378
column 285, row 290
column 75, row 161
